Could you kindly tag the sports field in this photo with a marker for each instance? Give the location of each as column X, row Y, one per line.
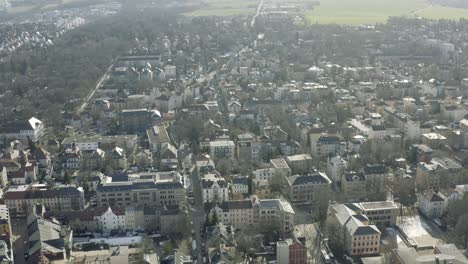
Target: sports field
column 356, row 12
column 225, row 8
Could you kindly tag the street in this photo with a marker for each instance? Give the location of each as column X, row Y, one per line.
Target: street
column 197, row 214
column 19, row 230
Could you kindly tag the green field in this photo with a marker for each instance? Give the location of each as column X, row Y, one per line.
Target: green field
column 356, row 12
column 225, row 8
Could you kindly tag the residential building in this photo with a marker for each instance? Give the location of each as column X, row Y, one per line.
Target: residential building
column 326, row 145
column 277, row 212
column 439, row 173
column 158, row 138
column 300, row 164
column 138, row 120
column 354, row 186
column 240, row 185
column 56, row 199
column 336, row 167
column 81, row 142
column 214, row 188
column 222, row 149
column 238, row 214
column 291, row 251
column 32, row 129
column 311, row 189
column 434, row 203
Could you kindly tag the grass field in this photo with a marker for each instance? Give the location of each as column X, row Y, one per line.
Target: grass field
column 356, row 12
column 225, row 8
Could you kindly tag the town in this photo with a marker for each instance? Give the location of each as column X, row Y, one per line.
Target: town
column 242, row 139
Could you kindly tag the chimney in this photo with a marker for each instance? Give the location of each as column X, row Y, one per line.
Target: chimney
column 437, row 260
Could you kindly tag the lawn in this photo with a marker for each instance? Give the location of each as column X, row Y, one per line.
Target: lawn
column 225, row 8
column 356, row 12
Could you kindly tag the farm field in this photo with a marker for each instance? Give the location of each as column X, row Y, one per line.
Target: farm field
column 225, row 8
column 356, row 12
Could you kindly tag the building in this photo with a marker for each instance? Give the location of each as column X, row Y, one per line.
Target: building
column 214, row 189
column 240, row 185
column 446, row 253
column 356, row 234
column 434, row 203
column 56, row 199
column 381, row 214
column 312, row 189
column 291, row 251
column 326, row 145
column 336, row 167
column 47, row 241
column 300, row 164
column 141, row 192
column 6, row 241
column 81, row 142
column 354, row 186
column 32, row 129
column 238, row 214
column 439, row 173
column 138, row 120
column 222, row 149
column 276, row 212
column 158, row 139
column 376, row 179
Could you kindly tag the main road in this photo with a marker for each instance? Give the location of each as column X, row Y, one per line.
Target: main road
column 197, row 214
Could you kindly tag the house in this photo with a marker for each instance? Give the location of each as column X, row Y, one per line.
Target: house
column 111, row 219
column 354, row 186
column 310, row 189
column 376, row 179
column 434, row 203
column 326, row 145
column 222, row 149
column 169, row 158
column 439, row 173
column 234, row 107
column 336, row 167
column 275, row 211
column 214, row 189
column 265, row 174
column 431, row 203
column 238, row 214
column 240, row 185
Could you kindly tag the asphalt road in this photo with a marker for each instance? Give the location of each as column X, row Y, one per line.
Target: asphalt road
column 19, row 230
column 197, row 214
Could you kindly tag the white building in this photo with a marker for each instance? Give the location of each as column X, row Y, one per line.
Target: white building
column 336, row 167
column 214, row 189
column 111, row 220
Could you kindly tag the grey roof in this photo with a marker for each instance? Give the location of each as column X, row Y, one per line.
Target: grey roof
column 375, row 169
column 318, row 178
